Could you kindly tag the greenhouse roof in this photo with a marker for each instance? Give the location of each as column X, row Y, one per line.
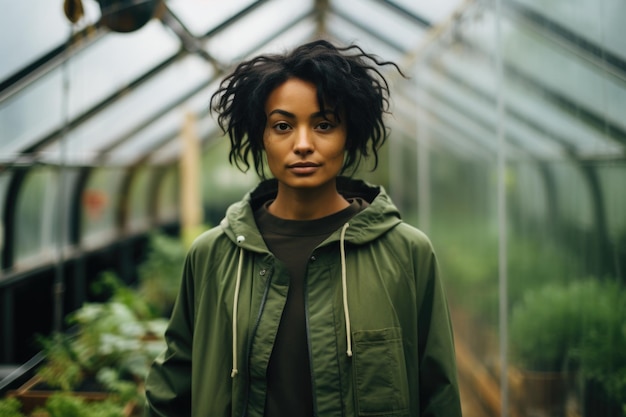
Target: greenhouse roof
column 84, row 94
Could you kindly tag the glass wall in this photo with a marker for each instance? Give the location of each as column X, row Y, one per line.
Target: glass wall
column 520, row 111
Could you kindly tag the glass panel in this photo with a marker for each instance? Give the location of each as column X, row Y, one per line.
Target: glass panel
column 574, row 199
column 599, row 22
column 114, row 61
column 564, row 74
column 433, row 11
column 42, row 215
column 95, row 73
column 347, row 33
column 301, row 32
column 537, row 118
column 201, row 16
column 472, row 105
column 222, row 183
column 100, row 202
column 42, row 20
column 139, row 200
column 239, row 38
column 148, row 139
column 613, row 180
column 554, row 246
column 5, row 177
column 113, row 123
column 31, row 114
column 168, row 199
column 377, row 18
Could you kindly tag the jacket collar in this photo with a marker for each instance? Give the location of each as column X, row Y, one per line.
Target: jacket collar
column 380, row 216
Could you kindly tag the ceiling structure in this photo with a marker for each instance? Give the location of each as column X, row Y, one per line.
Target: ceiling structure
column 86, row 95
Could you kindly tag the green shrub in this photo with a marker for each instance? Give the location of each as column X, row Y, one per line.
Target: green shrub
column 106, row 335
column 160, row 274
column 67, row 405
column 10, row 407
column 602, row 353
column 550, row 325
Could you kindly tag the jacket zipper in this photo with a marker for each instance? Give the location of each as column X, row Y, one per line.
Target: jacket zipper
column 308, row 337
column 249, row 347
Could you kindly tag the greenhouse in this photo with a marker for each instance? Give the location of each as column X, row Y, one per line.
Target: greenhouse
column 506, row 147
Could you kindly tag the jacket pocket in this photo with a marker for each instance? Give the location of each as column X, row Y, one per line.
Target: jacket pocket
column 380, row 373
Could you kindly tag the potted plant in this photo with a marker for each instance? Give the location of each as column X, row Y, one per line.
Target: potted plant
column 547, row 330
column 602, row 355
column 105, row 357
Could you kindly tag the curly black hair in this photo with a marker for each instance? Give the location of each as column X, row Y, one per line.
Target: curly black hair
column 346, row 78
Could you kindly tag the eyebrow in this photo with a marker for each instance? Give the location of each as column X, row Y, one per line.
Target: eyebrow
column 293, row 116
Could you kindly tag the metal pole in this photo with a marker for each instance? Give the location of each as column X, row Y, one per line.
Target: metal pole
column 502, row 216
column 58, row 289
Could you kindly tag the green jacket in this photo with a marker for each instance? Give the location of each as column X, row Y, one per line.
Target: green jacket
column 379, row 333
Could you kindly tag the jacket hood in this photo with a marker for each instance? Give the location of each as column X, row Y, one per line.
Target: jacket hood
column 379, row 217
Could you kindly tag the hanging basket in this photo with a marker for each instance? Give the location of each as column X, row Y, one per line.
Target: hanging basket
column 128, row 15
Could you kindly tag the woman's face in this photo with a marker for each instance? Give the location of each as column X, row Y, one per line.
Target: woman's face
column 304, row 147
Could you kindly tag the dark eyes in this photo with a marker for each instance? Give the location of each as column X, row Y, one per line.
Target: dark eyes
column 281, row 127
column 322, row 126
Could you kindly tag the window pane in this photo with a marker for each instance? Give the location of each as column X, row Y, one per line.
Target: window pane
column 139, row 200
column 5, row 177
column 200, row 16
column 100, row 202
column 42, row 215
column 168, row 199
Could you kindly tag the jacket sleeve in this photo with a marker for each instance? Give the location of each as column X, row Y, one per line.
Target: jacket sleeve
column 168, row 384
column 439, row 390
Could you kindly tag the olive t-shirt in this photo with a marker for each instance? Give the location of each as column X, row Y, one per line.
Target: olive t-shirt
column 289, row 389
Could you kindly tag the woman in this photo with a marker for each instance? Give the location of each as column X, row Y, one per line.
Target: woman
column 312, row 297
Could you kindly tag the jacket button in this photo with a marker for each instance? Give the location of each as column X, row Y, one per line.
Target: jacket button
column 262, row 272
column 313, row 258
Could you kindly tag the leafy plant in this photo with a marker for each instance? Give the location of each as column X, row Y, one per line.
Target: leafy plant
column 112, row 287
column 61, row 369
column 10, row 407
column 67, row 405
column 602, row 353
column 551, row 324
column 107, row 335
column 160, row 273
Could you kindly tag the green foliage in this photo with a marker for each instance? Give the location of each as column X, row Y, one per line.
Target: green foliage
column 161, row 272
column 602, row 353
column 551, row 324
column 10, row 407
column 125, row 390
column 110, row 284
column 107, row 335
column 67, row 405
column 114, row 342
column 469, row 262
column 61, row 369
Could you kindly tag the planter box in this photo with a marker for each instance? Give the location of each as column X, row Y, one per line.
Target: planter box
column 543, row 394
column 33, row 394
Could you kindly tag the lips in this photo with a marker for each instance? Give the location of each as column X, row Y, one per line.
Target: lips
column 303, row 168
column 303, row 165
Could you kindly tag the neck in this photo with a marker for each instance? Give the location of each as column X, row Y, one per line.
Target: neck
column 306, row 204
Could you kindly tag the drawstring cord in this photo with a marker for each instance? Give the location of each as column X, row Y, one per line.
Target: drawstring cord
column 235, row 371
column 344, row 288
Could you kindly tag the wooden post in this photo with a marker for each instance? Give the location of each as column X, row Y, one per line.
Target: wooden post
column 190, row 181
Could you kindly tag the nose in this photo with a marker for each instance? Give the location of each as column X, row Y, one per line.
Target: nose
column 303, row 142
